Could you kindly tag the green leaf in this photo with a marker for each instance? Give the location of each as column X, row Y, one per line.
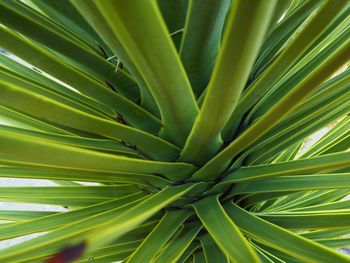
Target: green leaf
column 176, row 247
column 57, row 112
column 290, row 153
column 335, row 243
column 295, row 183
column 301, row 70
column 161, row 69
column 281, row 239
column 328, row 233
column 319, row 164
column 175, row 130
column 116, row 252
column 174, row 14
column 136, row 215
column 59, row 238
column 48, row 82
column 278, row 12
column 154, row 242
column 198, row 257
column 310, row 198
column 18, row 215
column 49, row 220
column 335, row 206
column 104, row 191
column 187, row 255
column 15, row 79
column 64, row 13
column 45, row 33
column 337, row 36
column 19, row 149
column 296, row 167
column 239, row 49
column 65, row 202
column 211, row 251
column 282, row 32
column 20, row 119
column 53, row 173
column 337, row 133
column 293, row 51
column 66, row 195
column 331, row 103
column 223, row 231
column 309, row 220
column 77, row 79
column 201, row 40
column 276, row 113
column 88, row 143
column 88, row 10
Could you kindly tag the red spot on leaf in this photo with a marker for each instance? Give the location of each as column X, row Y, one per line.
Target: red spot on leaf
column 68, row 254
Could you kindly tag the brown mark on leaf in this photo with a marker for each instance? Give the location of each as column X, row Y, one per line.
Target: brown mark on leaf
column 120, row 119
column 103, row 51
column 111, row 86
column 68, row 254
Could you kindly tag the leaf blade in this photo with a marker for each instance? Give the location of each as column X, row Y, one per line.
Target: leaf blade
column 225, row 233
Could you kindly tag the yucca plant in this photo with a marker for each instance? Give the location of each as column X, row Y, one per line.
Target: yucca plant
column 187, row 119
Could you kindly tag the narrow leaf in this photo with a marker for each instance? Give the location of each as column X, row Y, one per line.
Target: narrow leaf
column 223, row 231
